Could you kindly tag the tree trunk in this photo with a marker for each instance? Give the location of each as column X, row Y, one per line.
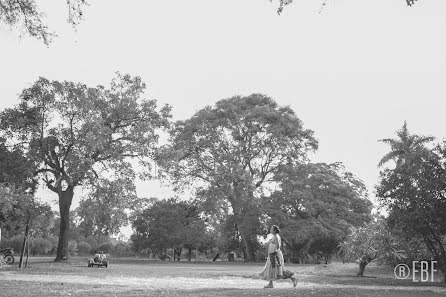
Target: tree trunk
column 189, row 255
column 362, row 266
column 177, row 252
column 249, row 251
column 65, row 199
column 25, row 243
column 244, row 226
column 27, row 250
column 363, row 263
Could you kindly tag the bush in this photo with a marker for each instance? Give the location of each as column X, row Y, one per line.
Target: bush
column 41, row 246
column 84, row 248
column 54, row 241
column 92, row 242
column 123, row 249
column 72, row 248
column 107, row 247
column 13, row 242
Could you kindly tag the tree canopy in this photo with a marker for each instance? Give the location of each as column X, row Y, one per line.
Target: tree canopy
column 369, row 243
column 16, row 169
column 230, row 150
column 168, row 224
column 77, row 134
column 106, row 208
column 414, row 191
column 316, row 202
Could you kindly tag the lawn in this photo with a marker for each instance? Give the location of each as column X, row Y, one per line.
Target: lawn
column 147, row 278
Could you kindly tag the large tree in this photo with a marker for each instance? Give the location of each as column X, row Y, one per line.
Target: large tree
column 78, row 134
column 25, row 15
column 230, row 151
column 316, row 202
column 413, row 191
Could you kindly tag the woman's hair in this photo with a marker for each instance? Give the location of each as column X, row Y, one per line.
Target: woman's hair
column 276, row 228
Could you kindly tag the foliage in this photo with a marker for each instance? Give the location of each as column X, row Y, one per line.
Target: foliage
column 406, row 148
column 18, row 209
column 373, row 242
column 168, row 224
column 84, row 248
column 316, row 202
column 14, row 242
column 16, row 169
column 107, row 247
column 323, row 247
column 105, row 210
column 78, row 134
column 413, row 191
column 26, row 16
column 230, row 151
column 41, row 246
column 72, row 248
column 123, row 249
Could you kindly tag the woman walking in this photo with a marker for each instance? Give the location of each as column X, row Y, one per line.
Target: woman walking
column 274, row 268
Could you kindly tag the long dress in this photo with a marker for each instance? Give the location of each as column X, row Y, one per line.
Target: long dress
column 273, row 270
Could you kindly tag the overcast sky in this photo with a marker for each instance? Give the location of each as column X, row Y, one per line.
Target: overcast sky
column 353, row 73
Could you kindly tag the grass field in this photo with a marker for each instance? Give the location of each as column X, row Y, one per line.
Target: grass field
column 131, row 277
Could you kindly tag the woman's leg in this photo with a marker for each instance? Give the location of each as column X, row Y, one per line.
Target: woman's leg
column 270, row 285
column 294, row 280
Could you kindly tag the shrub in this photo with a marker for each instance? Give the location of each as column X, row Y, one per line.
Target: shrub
column 72, row 248
column 84, row 248
column 13, row 242
column 41, row 246
column 107, row 247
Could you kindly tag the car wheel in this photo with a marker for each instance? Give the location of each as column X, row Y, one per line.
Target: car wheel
column 9, row 259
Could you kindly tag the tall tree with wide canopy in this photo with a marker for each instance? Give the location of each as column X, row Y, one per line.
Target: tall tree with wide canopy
column 231, row 150
column 78, row 133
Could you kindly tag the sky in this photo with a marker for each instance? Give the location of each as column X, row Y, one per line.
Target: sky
column 352, row 73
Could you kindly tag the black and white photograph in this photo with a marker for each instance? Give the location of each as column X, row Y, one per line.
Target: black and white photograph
column 223, row 148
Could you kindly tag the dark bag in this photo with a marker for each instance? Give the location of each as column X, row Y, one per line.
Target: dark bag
column 287, row 274
column 274, row 258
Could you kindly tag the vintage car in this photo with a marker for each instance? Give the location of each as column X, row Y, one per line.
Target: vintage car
column 98, row 260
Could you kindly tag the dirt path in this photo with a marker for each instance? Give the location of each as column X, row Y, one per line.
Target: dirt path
column 192, row 283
